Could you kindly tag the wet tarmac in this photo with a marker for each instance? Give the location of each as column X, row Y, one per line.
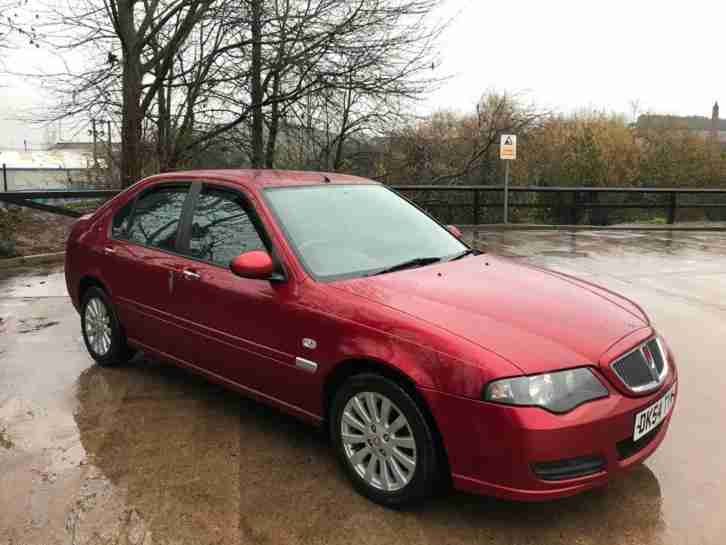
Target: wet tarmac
column 150, row 454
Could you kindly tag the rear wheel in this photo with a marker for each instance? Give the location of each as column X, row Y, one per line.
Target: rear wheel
column 102, row 332
column 383, row 441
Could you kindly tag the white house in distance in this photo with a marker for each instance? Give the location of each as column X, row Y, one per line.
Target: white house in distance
column 61, row 166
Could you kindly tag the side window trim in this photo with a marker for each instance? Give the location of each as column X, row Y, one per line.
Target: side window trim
column 184, row 233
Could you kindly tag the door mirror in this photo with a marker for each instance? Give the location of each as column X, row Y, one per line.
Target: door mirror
column 454, row 230
column 256, row 264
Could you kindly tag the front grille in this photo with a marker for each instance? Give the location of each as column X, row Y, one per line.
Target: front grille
column 642, row 369
column 628, row 447
column 633, row 370
column 570, row 468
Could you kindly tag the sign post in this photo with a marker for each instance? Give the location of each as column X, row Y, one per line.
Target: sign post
column 507, row 153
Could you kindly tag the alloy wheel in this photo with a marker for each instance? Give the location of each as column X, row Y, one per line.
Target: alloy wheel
column 98, row 326
column 378, row 441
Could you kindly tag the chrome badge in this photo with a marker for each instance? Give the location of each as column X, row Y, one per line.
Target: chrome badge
column 310, row 344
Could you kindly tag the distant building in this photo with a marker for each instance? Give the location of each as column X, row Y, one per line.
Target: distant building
column 713, row 128
column 63, row 158
column 63, row 165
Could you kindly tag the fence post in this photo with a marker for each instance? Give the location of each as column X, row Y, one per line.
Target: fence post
column 672, row 208
column 5, row 177
column 476, row 207
column 573, row 208
column 597, row 214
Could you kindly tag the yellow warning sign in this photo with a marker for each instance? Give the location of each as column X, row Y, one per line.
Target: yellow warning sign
column 508, row 147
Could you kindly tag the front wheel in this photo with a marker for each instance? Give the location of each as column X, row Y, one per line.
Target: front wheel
column 383, row 441
column 102, row 332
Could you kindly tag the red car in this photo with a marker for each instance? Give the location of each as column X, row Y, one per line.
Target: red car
column 338, row 301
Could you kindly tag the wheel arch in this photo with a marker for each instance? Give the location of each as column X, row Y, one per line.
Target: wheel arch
column 88, row 281
column 356, row 366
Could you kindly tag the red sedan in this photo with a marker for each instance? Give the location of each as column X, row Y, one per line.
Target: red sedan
column 334, row 299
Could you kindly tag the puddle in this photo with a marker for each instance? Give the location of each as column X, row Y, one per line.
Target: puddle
column 31, row 325
column 565, row 253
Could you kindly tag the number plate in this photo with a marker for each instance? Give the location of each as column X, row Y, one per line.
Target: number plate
column 650, row 417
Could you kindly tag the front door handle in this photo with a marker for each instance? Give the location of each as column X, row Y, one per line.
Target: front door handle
column 109, row 250
column 190, row 274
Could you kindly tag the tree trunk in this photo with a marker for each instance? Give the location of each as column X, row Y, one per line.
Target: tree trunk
column 337, row 162
column 131, row 124
column 274, row 125
column 343, row 129
column 256, row 91
column 162, row 128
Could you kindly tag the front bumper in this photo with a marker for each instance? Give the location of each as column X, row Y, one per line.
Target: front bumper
column 492, row 448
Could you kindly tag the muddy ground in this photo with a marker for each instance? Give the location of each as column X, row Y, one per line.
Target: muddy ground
column 150, row 454
column 33, row 232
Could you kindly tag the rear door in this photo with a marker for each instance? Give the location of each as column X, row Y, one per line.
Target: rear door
column 240, row 328
column 141, row 263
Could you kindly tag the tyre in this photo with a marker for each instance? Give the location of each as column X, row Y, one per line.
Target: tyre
column 102, row 332
column 383, row 441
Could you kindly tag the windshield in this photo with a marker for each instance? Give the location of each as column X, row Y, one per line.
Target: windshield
column 354, row 230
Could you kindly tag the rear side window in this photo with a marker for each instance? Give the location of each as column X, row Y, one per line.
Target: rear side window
column 156, row 217
column 222, row 227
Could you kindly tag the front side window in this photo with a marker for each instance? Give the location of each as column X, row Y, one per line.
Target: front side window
column 156, row 217
column 222, row 227
column 355, row 230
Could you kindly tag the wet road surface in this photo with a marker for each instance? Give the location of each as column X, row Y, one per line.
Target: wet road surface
column 150, row 454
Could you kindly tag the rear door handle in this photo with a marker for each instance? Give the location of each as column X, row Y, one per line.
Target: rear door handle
column 190, row 274
column 109, row 250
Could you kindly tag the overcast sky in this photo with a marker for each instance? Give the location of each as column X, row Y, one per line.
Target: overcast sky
column 566, row 55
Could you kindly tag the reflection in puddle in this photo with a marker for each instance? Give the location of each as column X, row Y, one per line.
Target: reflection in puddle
column 169, row 440
column 32, row 325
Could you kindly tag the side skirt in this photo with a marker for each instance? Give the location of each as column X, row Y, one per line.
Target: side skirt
column 293, row 410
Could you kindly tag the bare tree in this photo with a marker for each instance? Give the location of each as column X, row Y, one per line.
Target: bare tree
column 184, row 76
column 377, row 57
column 16, row 24
column 174, row 20
column 129, row 48
column 451, row 148
column 497, row 113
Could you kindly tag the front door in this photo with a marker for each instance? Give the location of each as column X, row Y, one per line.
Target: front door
column 239, row 328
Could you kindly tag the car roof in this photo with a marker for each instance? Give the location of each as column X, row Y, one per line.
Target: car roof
column 266, row 178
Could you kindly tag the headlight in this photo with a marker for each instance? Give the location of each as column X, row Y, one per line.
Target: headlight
column 557, row 392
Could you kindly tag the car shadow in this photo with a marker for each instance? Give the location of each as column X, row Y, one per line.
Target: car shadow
column 200, row 464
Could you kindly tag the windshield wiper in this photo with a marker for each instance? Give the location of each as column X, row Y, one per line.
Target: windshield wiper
column 411, row 263
column 465, row 253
